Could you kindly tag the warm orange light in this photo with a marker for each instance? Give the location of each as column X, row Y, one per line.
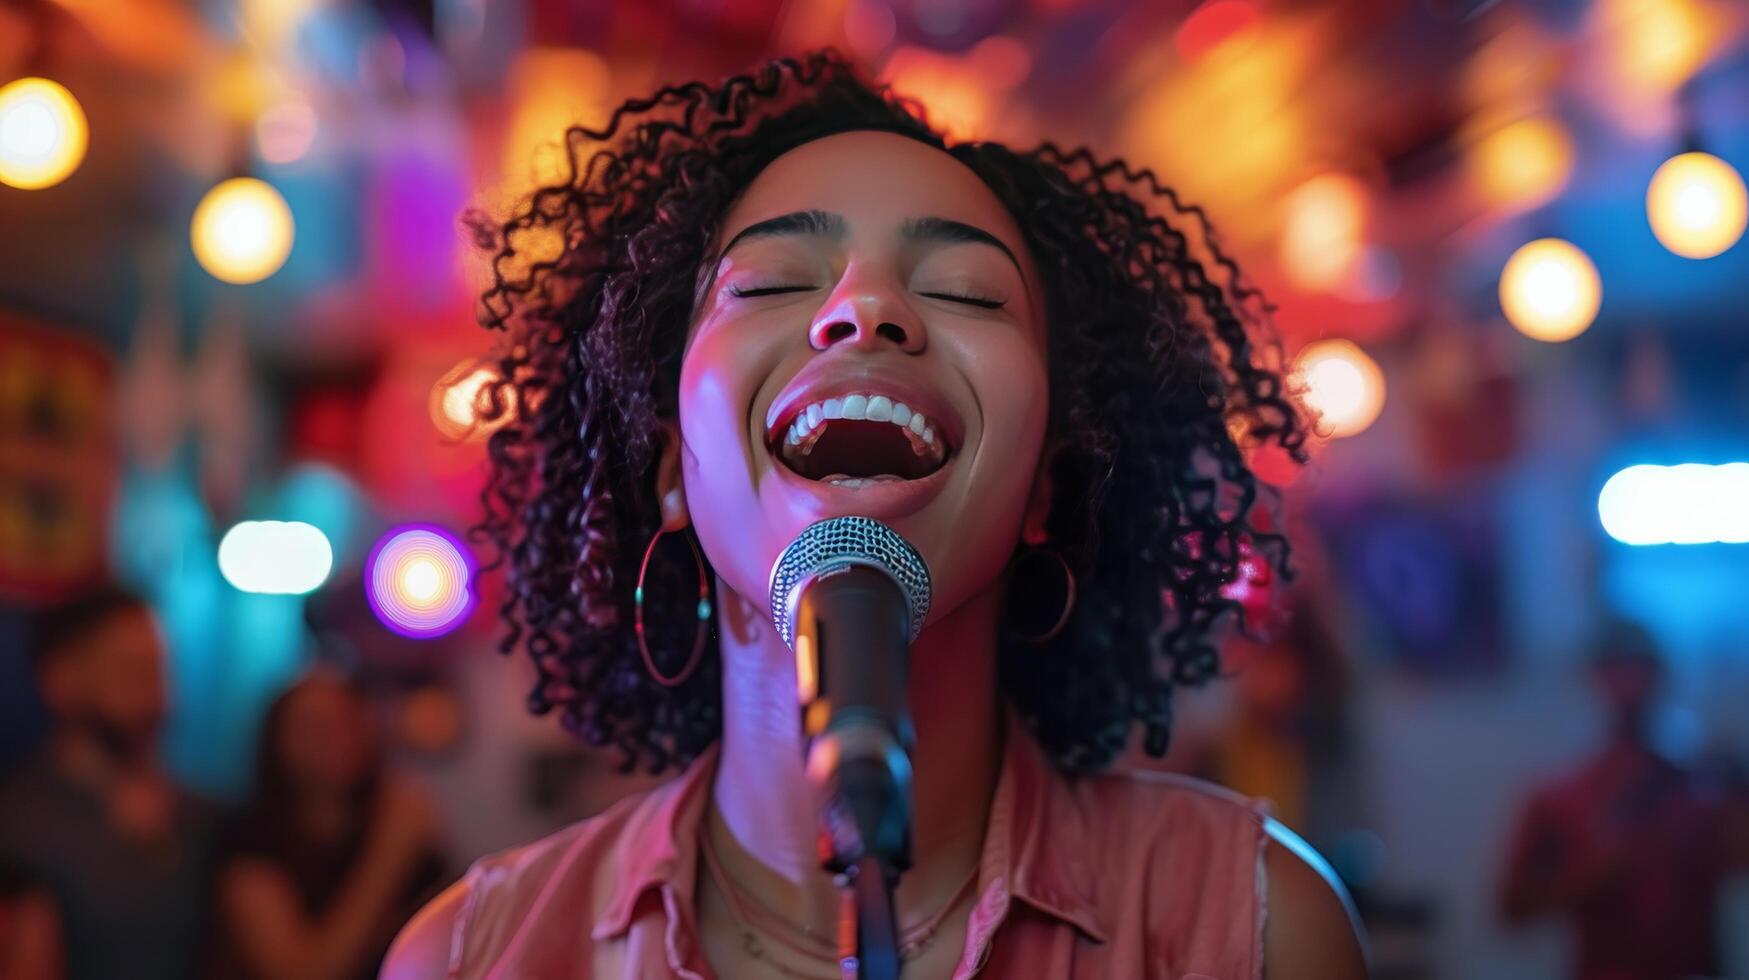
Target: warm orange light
column 242, row 230
column 807, row 678
column 1522, row 164
column 958, row 97
column 552, row 89
column 1654, row 45
column 1322, row 235
column 42, row 133
column 1697, row 205
column 1341, row 385
column 1550, row 290
column 459, row 402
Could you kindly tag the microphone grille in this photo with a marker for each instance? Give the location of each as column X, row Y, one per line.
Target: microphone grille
column 838, row 541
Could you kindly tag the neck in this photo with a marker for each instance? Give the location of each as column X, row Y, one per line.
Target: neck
column 763, row 821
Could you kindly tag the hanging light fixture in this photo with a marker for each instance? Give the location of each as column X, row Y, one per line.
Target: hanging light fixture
column 42, row 133
column 1550, row 290
column 242, row 230
column 1697, row 205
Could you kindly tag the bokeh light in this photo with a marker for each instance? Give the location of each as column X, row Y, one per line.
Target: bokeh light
column 242, row 230
column 1692, row 503
column 419, row 580
column 1214, row 24
column 1697, row 205
column 1522, row 164
column 869, row 27
column 1654, row 45
column 42, row 133
column 1550, row 290
column 275, row 557
column 551, row 90
column 1341, row 385
column 460, row 398
column 1322, row 231
column 286, row 131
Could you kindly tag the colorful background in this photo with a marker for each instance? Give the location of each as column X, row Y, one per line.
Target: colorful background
column 237, row 356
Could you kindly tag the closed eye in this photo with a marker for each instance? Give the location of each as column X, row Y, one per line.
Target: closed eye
column 737, row 291
column 982, row 302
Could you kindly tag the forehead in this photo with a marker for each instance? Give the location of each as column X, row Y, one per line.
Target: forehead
column 875, row 180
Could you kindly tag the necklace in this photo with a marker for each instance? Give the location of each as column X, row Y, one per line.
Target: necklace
column 753, row 916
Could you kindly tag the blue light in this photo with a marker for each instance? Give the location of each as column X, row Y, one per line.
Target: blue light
column 1692, row 503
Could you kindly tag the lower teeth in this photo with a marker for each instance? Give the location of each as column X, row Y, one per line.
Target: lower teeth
column 858, row 481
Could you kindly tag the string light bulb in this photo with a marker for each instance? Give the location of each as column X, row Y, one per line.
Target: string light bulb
column 242, row 230
column 1697, row 205
column 1341, row 385
column 42, row 133
column 1550, row 290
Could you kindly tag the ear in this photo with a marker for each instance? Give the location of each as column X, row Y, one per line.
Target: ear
column 1038, row 501
column 669, row 486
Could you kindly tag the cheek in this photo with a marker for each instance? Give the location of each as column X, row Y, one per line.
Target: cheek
column 1007, row 374
column 719, row 378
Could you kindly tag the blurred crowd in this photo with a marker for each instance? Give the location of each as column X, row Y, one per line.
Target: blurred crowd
column 109, row 869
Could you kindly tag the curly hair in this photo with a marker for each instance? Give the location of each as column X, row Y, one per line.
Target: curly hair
column 1158, row 371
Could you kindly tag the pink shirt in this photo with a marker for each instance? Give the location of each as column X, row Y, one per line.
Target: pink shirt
column 1115, row 875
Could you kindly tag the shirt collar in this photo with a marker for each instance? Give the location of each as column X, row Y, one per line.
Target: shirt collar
column 660, row 844
column 1037, row 845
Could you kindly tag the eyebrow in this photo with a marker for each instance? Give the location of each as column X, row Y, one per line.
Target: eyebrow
column 829, row 225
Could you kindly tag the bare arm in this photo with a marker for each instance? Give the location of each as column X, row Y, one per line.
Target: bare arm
column 1312, row 931
column 280, row 942
column 421, row 951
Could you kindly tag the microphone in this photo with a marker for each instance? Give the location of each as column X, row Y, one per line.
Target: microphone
column 848, row 596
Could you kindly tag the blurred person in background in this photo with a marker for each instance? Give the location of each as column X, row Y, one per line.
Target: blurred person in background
column 92, row 821
column 30, row 932
column 334, row 850
column 1630, row 850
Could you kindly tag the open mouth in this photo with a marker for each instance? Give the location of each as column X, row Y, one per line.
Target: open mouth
column 861, row 439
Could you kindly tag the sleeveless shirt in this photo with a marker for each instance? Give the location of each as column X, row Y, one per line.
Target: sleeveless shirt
column 1122, row 874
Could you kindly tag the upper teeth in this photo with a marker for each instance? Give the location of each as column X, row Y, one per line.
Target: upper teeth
column 872, row 408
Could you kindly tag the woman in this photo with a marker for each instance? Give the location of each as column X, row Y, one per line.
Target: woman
column 333, row 853
column 723, row 263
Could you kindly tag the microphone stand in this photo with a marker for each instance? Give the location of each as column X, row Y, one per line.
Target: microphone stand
column 852, row 695
column 865, row 841
column 848, row 596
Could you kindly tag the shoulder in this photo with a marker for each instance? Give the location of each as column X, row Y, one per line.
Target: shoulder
column 1311, row 931
column 1169, row 808
column 1223, row 847
column 422, row 950
column 567, row 876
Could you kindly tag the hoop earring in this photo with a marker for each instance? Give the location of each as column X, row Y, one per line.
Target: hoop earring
column 1068, row 600
column 704, row 615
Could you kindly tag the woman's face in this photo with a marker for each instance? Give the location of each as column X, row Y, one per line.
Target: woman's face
column 325, row 737
column 870, row 340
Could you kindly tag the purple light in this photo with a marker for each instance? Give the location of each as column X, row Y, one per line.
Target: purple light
column 419, row 580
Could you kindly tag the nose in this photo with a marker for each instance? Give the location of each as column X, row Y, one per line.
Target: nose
column 865, row 311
